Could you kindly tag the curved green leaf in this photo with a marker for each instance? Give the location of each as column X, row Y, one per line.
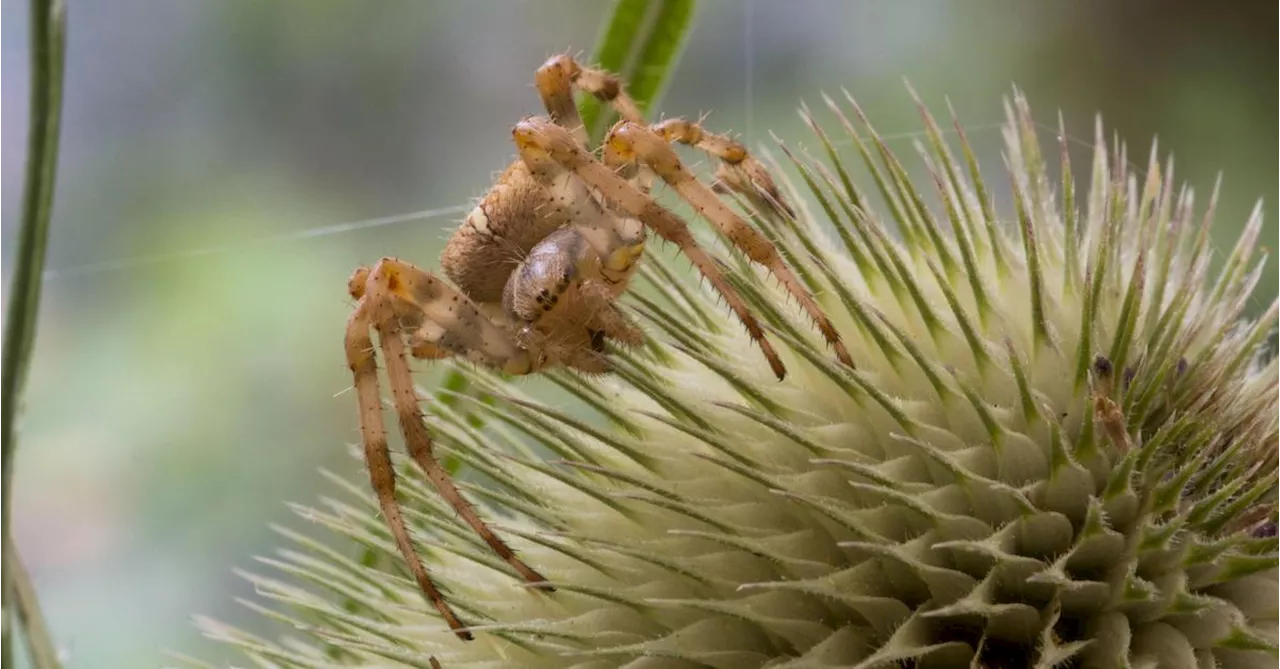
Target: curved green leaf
column 641, row 44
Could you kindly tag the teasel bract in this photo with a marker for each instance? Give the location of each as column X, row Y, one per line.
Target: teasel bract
column 1058, row 448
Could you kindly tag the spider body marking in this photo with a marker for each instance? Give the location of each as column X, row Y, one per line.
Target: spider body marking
column 537, row 269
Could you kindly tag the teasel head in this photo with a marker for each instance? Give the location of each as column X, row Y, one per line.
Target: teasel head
column 1058, row 447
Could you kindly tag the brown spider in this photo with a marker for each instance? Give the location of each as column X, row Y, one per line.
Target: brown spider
column 539, row 266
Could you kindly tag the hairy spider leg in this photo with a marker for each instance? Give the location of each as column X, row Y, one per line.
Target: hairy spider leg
column 617, row 240
column 377, row 456
column 542, row 142
column 620, row 241
column 739, row 170
column 454, row 323
column 631, row 142
column 561, row 74
column 395, row 296
column 632, row 147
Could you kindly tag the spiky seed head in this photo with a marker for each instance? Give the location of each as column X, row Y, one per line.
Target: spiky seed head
column 1058, row 449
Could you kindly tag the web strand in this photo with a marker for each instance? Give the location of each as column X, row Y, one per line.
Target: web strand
column 143, row 261
column 748, row 39
column 135, row 262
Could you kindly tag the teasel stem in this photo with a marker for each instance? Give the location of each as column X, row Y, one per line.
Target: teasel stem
column 48, row 47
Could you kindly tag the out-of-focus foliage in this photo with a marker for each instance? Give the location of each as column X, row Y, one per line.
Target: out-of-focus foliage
column 175, row 405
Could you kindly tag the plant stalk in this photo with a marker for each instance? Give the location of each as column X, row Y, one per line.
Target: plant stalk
column 39, row 644
column 48, row 51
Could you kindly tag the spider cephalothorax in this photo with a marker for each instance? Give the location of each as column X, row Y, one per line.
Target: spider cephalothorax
column 539, row 266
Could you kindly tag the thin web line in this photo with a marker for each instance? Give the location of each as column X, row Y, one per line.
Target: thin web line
column 748, row 42
column 141, row 261
column 324, row 231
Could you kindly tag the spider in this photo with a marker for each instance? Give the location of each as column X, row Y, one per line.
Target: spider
column 539, row 266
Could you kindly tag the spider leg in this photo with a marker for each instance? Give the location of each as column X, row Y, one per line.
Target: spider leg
column 632, row 142
column 556, row 80
column 393, row 283
column 382, row 476
column 544, row 144
column 739, row 170
column 438, row 320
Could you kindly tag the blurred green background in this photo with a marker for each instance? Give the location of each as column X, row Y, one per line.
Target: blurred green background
column 176, row 403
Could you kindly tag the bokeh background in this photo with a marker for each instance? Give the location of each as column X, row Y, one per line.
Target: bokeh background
column 188, row 376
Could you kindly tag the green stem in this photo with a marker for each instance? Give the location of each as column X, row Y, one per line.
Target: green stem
column 27, row 607
column 48, row 48
column 641, row 43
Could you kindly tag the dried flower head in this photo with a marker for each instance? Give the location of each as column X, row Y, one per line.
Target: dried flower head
column 1059, row 448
